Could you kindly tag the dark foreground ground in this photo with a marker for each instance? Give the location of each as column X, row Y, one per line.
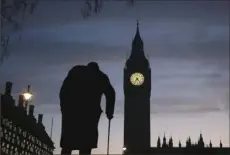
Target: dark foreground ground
column 182, row 151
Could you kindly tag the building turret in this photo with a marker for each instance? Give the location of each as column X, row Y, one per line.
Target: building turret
column 179, row 144
column 31, row 110
column 210, row 144
column 158, row 142
column 170, row 142
column 40, row 117
column 201, row 141
column 21, row 101
column 188, row 142
column 164, row 144
column 8, row 88
column 221, row 145
column 7, row 97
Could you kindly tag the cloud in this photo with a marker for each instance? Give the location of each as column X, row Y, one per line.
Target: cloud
column 188, row 51
column 158, row 106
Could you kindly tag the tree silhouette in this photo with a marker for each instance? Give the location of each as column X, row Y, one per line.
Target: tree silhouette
column 13, row 13
column 95, row 7
column 12, row 16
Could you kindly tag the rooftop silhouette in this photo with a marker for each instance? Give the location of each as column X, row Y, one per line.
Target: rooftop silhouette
column 21, row 133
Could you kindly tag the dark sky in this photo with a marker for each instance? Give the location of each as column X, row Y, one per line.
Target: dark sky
column 187, row 44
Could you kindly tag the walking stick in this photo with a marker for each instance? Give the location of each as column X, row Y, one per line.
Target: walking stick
column 108, row 137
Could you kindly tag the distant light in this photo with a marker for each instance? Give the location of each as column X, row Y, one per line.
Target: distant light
column 124, row 148
column 27, row 96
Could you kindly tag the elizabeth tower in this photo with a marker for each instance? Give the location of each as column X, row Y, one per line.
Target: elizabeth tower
column 137, row 92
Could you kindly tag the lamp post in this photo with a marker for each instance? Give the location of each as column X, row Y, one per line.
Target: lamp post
column 27, row 98
column 124, row 150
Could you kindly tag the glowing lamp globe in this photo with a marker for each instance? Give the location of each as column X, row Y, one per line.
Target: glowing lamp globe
column 27, row 96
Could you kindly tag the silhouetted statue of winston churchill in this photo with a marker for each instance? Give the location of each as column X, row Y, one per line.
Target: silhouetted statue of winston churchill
column 80, row 98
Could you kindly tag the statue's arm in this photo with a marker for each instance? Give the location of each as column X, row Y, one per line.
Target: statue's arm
column 110, row 96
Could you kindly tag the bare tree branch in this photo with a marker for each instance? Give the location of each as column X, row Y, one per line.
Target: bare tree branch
column 11, row 13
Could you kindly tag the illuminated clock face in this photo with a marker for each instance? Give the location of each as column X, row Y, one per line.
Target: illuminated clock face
column 137, row 79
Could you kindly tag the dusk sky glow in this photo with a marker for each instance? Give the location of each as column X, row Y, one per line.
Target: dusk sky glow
column 187, row 44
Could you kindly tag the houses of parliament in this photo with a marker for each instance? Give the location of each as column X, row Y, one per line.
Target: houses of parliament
column 137, row 92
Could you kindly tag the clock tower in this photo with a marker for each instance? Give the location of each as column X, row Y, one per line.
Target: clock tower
column 137, row 92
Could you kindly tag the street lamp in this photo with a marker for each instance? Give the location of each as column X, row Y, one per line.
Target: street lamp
column 124, row 149
column 27, row 97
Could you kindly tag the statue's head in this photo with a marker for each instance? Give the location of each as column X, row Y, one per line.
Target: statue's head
column 93, row 66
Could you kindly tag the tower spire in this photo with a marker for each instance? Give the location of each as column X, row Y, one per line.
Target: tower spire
column 137, row 38
column 137, row 56
column 138, row 27
column 137, row 45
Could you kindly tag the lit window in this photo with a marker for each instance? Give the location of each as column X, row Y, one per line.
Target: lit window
column 3, row 121
column 18, row 142
column 4, row 149
column 10, row 125
column 15, row 129
column 9, row 139
column 24, row 134
column 6, row 123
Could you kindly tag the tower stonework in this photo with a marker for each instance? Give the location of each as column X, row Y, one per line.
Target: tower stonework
column 137, row 92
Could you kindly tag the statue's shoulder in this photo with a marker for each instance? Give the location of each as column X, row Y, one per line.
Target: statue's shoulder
column 104, row 76
column 77, row 69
